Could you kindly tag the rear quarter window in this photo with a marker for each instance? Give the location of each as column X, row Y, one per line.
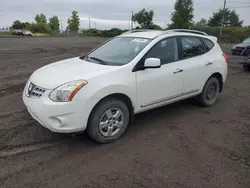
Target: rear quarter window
column 208, row 44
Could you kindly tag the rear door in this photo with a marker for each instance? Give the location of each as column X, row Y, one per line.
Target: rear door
column 195, row 64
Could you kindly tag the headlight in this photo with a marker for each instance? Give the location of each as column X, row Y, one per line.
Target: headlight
column 66, row 92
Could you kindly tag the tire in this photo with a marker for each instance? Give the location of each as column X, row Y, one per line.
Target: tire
column 104, row 113
column 207, row 99
column 246, row 68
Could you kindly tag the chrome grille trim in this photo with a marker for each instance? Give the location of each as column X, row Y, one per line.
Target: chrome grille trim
column 35, row 92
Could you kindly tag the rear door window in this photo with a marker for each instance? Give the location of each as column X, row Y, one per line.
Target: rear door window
column 191, row 47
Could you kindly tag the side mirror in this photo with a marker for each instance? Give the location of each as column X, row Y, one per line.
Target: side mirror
column 152, row 63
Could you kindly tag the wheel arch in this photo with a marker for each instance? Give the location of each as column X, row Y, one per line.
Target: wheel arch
column 119, row 96
column 220, row 79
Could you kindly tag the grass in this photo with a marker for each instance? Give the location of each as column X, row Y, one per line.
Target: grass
column 5, row 33
column 40, row 34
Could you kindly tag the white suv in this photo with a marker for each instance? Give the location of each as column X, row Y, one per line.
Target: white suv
column 101, row 91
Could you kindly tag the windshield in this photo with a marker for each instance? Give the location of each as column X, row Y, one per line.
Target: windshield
column 247, row 40
column 118, row 51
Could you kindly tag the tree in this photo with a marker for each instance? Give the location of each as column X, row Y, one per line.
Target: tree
column 20, row 25
column 17, row 25
column 231, row 19
column 39, row 28
column 144, row 18
column 54, row 23
column 201, row 24
column 25, row 25
column 155, row 27
column 74, row 22
column 41, row 19
column 183, row 15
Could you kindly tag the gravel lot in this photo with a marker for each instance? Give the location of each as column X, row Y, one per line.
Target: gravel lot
column 177, row 146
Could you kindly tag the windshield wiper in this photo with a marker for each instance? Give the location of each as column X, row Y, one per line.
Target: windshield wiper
column 100, row 60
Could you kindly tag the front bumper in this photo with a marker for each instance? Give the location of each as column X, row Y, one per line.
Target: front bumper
column 60, row 117
column 241, row 51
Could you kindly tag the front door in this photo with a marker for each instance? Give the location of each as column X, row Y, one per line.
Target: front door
column 156, row 87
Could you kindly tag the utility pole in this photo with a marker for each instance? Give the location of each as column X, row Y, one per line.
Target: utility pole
column 132, row 21
column 61, row 26
column 89, row 22
column 223, row 17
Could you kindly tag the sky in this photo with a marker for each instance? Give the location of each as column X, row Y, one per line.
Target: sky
column 106, row 14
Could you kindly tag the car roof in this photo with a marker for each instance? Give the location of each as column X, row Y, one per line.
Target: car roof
column 143, row 34
column 151, row 34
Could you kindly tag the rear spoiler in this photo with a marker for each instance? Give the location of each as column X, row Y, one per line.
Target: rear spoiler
column 213, row 38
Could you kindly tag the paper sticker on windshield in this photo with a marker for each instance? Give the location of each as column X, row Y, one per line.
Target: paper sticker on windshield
column 140, row 40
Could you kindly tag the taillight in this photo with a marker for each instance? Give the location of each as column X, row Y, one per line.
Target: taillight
column 226, row 57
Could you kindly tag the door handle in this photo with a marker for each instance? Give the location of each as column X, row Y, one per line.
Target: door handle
column 209, row 63
column 178, row 71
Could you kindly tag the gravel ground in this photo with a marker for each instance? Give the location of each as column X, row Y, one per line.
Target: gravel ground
column 177, row 146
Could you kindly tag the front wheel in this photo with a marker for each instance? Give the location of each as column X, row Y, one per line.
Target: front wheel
column 210, row 92
column 108, row 121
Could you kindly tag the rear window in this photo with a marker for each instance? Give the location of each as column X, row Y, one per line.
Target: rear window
column 208, row 44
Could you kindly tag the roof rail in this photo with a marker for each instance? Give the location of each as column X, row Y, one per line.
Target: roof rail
column 137, row 30
column 185, row 30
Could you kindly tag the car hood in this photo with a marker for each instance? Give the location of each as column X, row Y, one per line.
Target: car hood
column 242, row 45
column 58, row 73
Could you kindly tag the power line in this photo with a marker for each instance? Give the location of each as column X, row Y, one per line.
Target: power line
column 236, row 2
column 239, row 7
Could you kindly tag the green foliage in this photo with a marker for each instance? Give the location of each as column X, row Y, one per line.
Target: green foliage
column 39, row 28
column 17, row 25
column 91, row 32
column 74, row 22
column 54, row 23
column 230, row 34
column 144, row 18
column 182, row 16
column 112, row 32
column 20, row 25
column 41, row 19
column 200, row 24
column 155, row 27
column 231, row 19
column 103, row 33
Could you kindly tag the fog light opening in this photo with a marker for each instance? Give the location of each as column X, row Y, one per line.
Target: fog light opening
column 56, row 122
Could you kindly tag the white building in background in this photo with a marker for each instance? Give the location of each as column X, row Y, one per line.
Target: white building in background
column 4, row 29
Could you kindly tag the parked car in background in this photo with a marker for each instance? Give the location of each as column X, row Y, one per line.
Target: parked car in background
column 19, row 32
column 242, row 49
column 100, row 92
column 26, row 33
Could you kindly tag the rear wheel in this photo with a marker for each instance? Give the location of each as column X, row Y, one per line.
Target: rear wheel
column 108, row 121
column 210, row 92
column 246, row 67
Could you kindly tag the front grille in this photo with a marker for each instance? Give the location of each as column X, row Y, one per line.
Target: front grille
column 34, row 91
